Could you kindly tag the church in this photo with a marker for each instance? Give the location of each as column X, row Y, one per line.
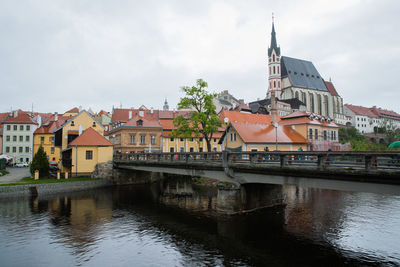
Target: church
column 292, row 78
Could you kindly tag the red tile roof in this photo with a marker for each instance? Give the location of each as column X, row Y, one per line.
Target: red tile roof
column 171, row 114
column 90, row 138
column 21, row 118
column 51, row 126
column 303, row 117
column 385, row 113
column 263, row 133
column 331, row 88
column 145, row 122
column 235, row 116
column 359, row 110
column 73, row 110
column 122, row 115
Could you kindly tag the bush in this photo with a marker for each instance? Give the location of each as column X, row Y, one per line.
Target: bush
column 41, row 163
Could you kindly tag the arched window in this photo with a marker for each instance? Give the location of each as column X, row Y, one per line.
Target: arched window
column 273, row 58
column 270, row 71
column 338, row 106
column 278, row 70
column 326, row 106
column 319, row 104
column 296, row 95
column 279, row 84
column 274, row 69
column 274, row 84
column 334, row 105
column 312, row 104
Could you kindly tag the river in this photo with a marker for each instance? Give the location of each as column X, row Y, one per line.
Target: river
column 143, row 226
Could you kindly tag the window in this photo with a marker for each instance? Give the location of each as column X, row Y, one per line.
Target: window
column 274, row 84
column 200, row 149
column 14, row 138
column 181, row 139
column 143, row 139
column 52, row 139
column 171, row 149
column 21, row 127
column 172, row 139
column 132, row 138
column 89, row 154
column 52, row 150
column 72, row 123
column 310, row 132
column 201, row 139
column 215, row 140
column 214, row 149
column 279, row 84
column 182, row 149
column 21, row 138
column 8, row 138
column 273, row 57
column 233, row 137
column 21, row 149
column 28, row 127
column 27, row 160
column 42, row 139
column 191, row 149
column 325, row 135
column 15, row 127
column 21, row 160
column 274, row 69
column 27, row 138
column 14, row 149
column 27, row 149
column 316, row 134
column 153, row 139
column 7, row 149
column 94, row 124
column 8, row 127
column 278, row 70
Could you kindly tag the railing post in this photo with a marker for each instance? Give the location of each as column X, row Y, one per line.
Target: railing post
column 187, row 158
column 253, row 158
column 283, row 160
column 158, row 157
column 368, row 162
column 321, row 162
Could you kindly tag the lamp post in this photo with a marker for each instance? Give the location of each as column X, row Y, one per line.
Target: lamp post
column 276, row 136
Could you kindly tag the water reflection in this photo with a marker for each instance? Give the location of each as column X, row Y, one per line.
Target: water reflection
column 164, row 225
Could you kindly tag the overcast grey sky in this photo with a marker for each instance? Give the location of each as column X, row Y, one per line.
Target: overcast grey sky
column 61, row 54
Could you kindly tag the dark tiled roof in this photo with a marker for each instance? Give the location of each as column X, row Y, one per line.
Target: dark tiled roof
column 302, row 73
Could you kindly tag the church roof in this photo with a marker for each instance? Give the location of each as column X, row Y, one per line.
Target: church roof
column 302, row 73
column 331, row 88
column 274, row 45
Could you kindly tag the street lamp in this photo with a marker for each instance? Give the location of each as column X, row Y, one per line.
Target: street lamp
column 276, row 136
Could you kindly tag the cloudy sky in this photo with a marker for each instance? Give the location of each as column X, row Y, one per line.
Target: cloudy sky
column 61, row 54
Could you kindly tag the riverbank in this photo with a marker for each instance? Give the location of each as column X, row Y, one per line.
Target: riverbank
column 12, row 191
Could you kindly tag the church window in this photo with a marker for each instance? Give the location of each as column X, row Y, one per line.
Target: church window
column 278, row 70
column 312, row 104
column 270, row 70
column 296, row 95
column 274, row 84
column 326, row 106
column 274, row 69
column 319, row 105
column 273, row 58
column 279, row 84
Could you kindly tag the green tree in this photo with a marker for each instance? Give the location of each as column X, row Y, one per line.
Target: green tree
column 358, row 141
column 40, row 162
column 389, row 129
column 203, row 120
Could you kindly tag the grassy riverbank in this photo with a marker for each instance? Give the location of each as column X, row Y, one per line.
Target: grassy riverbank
column 30, row 180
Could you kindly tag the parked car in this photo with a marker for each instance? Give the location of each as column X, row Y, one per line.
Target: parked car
column 22, row 164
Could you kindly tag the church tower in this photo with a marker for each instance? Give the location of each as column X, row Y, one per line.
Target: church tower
column 274, row 65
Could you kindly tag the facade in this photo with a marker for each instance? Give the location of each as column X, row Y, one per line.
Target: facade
column 137, row 135
column 87, row 150
column 296, row 78
column 18, row 130
column 322, row 133
column 70, row 130
column 367, row 120
column 3, row 116
column 44, row 136
column 104, row 118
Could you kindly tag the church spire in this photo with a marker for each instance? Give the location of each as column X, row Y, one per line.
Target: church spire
column 274, row 45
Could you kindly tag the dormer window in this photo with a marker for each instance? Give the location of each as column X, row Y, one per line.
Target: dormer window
column 94, row 124
column 141, row 113
column 72, row 123
column 139, row 123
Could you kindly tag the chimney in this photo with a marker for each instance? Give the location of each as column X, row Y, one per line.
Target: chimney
column 56, row 116
column 130, row 114
column 273, row 109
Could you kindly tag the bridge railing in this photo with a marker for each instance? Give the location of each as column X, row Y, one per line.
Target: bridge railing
column 303, row 159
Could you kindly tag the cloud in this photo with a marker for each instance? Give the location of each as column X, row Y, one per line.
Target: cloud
column 59, row 54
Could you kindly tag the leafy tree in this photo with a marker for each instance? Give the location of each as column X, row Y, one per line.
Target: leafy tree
column 203, row 120
column 358, row 141
column 40, row 162
column 389, row 129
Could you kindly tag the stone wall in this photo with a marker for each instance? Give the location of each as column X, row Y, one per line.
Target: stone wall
column 103, row 170
column 50, row 188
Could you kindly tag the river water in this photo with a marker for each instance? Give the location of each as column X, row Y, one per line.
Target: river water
column 135, row 226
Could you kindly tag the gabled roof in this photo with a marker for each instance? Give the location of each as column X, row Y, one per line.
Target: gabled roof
column 21, row 118
column 90, row 137
column 122, row 114
column 331, row 88
column 304, row 117
column 72, row 118
column 264, row 133
column 363, row 111
column 302, row 73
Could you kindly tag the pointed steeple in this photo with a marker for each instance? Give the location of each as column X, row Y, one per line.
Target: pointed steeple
column 274, row 45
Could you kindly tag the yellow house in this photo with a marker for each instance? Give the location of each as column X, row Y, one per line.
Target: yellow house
column 87, row 150
column 44, row 136
column 70, row 130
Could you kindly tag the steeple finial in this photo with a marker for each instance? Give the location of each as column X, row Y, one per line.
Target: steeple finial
column 272, row 17
column 274, row 45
